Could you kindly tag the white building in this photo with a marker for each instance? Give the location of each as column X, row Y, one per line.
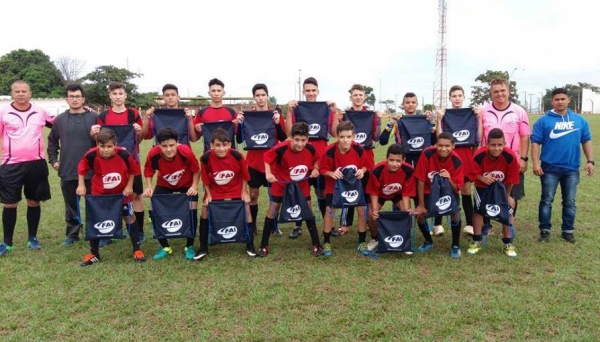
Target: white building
column 590, row 102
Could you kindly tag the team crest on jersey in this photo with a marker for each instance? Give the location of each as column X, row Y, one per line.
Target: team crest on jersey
column 174, row 177
column 392, row 188
column 497, row 175
column 298, row 172
column 224, row 177
column 111, row 180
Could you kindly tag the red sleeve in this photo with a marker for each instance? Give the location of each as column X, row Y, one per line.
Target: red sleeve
column 134, row 167
column 512, row 171
column 458, row 177
column 326, row 163
column 98, row 121
column 148, row 170
column 150, row 133
column 373, row 186
column 476, row 167
column 244, row 169
column 269, row 156
column 365, row 161
column 204, row 169
column 410, row 187
column 83, row 168
column 422, row 168
column 136, row 117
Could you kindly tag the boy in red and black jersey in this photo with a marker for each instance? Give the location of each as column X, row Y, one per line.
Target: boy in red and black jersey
column 225, row 177
column 390, row 180
column 118, row 114
column 215, row 112
column 104, row 160
column 255, row 158
column 345, row 153
column 293, row 160
column 494, row 163
column 171, row 99
column 439, row 159
column 178, row 172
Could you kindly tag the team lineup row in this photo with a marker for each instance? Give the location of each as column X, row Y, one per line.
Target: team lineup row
column 460, row 166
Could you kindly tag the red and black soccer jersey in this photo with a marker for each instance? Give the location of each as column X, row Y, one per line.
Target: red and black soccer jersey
column 110, row 175
column 388, row 185
column 224, row 177
column 429, row 164
column 117, row 119
column 333, row 159
column 466, row 157
column 505, row 168
column 211, row 114
column 287, row 165
column 255, row 158
column 172, row 174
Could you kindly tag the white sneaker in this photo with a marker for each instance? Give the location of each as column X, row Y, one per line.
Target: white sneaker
column 438, row 230
column 468, row 230
column 372, row 244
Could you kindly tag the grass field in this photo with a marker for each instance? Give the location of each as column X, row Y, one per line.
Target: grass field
column 549, row 292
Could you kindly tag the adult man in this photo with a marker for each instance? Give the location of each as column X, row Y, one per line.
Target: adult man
column 560, row 132
column 23, row 163
column 310, row 90
column 513, row 121
column 69, row 136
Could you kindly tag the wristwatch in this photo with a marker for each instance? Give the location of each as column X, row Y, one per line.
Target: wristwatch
column 591, row 162
column 525, row 159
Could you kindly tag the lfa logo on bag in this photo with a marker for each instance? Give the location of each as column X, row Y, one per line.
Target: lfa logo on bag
column 444, row 202
column 392, row 188
column 416, row 142
column 314, row 129
column 394, row 241
column 492, row 209
column 497, row 175
column 462, row 135
column 360, row 137
column 227, row 232
column 173, row 225
column 350, row 196
column 174, row 177
column 260, row 138
column 299, row 172
column 294, row 211
column 224, row 177
column 105, row 227
column 111, row 180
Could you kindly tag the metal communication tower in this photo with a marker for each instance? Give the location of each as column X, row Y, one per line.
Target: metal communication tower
column 441, row 59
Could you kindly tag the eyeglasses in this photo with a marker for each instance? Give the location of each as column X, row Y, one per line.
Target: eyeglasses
column 74, row 97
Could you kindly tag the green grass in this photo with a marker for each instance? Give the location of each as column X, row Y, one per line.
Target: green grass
column 550, row 292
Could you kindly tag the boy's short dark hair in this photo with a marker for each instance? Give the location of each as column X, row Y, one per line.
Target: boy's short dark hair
column 396, row 149
column 167, row 133
column 300, row 128
column 407, row 95
column 455, row 88
column 216, row 81
column 220, row 135
column 495, row 133
column 106, row 135
column 560, row 91
column 259, row 86
column 345, row 126
column 310, row 80
column 74, row 87
column 447, row 136
column 170, row 86
column 358, row 87
column 116, row 85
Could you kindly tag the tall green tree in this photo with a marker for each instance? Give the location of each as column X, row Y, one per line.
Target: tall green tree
column 34, row 67
column 574, row 91
column 429, row 107
column 95, row 85
column 480, row 94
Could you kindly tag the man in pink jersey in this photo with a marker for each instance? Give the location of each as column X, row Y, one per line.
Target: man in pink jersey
column 23, row 163
column 513, row 121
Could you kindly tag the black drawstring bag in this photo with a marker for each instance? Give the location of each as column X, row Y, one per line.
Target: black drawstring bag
column 441, row 199
column 348, row 192
column 294, row 207
column 494, row 203
column 227, row 222
column 171, row 216
column 394, row 232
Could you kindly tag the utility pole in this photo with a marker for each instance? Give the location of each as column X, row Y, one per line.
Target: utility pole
column 441, row 58
column 299, row 85
column 525, row 97
column 530, row 99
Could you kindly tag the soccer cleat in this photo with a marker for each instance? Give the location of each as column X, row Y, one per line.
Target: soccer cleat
column 89, row 259
column 277, row 232
column 438, row 230
column 250, row 250
column 142, row 238
column 200, row 255
column 263, row 251
column 455, row 252
column 138, row 256
column 4, row 248
column 162, row 253
column 372, row 244
column 105, row 242
column 296, row 232
column 409, row 251
column 69, row 241
column 544, row 237
column 425, row 247
column 474, row 248
column 317, row 250
column 510, row 250
column 568, row 237
column 468, row 230
column 189, row 252
column 363, row 249
column 327, row 249
column 34, row 244
column 335, row 232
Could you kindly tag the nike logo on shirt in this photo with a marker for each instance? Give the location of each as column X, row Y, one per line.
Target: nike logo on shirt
column 554, row 135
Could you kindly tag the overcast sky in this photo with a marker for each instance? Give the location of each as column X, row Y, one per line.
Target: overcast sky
column 392, row 43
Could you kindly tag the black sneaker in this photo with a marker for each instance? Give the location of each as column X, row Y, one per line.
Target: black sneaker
column 250, row 250
column 296, row 232
column 200, row 255
column 568, row 237
column 545, row 237
column 263, row 251
column 335, row 232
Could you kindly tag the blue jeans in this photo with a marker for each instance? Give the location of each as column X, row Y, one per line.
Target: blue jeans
column 568, row 180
